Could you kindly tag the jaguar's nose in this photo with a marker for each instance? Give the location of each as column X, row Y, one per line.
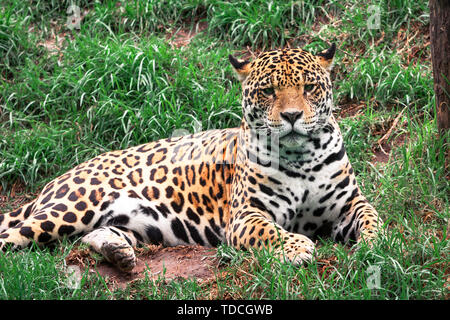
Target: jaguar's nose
column 291, row 117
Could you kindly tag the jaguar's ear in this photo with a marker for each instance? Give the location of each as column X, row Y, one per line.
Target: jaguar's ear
column 242, row 67
column 326, row 57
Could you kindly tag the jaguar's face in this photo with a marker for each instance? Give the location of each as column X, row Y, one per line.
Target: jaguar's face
column 287, row 93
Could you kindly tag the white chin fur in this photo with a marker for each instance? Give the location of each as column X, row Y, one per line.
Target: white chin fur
column 292, row 141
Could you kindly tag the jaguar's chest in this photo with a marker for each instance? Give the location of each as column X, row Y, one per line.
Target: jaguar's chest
column 305, row 201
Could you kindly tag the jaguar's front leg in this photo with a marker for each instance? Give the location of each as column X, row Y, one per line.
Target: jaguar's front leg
column 359, row 222
column 253, row 228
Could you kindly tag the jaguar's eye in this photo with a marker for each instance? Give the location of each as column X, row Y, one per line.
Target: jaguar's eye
column 308, row 88
column 268, row 91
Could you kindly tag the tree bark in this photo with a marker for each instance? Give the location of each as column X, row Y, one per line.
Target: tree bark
column 440, row 57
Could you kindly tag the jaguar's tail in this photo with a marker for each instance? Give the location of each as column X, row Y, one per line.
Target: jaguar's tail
column 10, row 219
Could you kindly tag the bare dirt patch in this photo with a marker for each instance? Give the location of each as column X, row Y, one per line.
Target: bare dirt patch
column 383, row 152
column 182, row 37
column 171, row 263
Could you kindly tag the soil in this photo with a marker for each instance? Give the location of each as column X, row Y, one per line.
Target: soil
column 172, row 263
column 382, row 153
column 182, row 37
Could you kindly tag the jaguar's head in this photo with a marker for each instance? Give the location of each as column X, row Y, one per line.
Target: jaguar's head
column 287, row 92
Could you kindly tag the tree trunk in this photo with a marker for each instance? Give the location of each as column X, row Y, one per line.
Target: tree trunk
column 440, row 57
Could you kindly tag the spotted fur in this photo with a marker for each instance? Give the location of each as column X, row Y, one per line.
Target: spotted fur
column 280, row 180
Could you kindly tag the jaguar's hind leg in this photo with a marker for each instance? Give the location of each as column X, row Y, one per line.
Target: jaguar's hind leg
column 115, row 245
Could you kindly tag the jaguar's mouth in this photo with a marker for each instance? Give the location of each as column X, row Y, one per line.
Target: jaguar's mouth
column 289, row 133
column 293, row 134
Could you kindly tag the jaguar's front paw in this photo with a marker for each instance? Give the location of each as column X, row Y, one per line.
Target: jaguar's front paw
column 120, row 255
column 365, row 239
column 296, row 249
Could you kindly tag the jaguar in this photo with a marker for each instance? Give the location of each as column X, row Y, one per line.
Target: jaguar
column 281, row 180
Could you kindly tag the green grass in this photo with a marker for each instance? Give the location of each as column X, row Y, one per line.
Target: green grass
column 119, row 81
column 43, row 274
